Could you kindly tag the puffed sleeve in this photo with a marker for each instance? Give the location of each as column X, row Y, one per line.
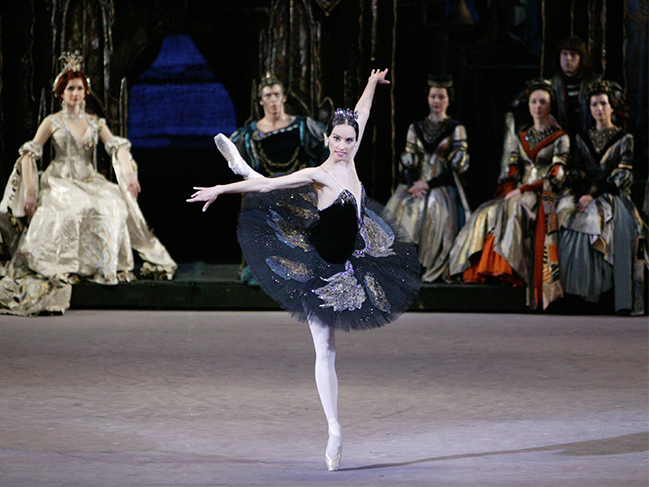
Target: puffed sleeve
column 22, row 180
column 561, row 150
column 122, row 166
column 32, row 147
column 558, row 171
column 459, row 155
column 411, row 157
column 512, row 173
column 115, row 143
column 622, row 175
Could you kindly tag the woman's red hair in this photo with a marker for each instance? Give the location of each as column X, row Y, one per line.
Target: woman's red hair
column 65, row 79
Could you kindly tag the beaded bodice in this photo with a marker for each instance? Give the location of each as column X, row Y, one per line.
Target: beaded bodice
column 74, row 157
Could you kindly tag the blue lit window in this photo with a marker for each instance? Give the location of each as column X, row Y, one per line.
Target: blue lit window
column 177, row 101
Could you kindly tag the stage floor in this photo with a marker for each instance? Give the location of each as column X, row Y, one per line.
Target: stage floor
column 205, row 398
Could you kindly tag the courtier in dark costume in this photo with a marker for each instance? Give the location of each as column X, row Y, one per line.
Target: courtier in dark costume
column 430, row 202
column 598, row 241
column 322, row 249
column 280, row 143
column 513, row 238
column 570, row 84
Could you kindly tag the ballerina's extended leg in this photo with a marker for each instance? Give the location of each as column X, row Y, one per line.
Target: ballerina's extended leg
column 235, row 161
column 327, row 384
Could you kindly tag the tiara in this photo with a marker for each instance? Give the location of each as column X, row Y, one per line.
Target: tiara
column 72, row 61
column 348, row 114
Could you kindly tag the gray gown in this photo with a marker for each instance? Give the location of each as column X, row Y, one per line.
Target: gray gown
column 598, row 246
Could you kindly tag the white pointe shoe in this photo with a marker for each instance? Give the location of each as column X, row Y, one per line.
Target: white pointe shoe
column 235, row 161
column 334, row 452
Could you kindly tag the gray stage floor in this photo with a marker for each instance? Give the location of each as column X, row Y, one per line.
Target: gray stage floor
column 146, row 398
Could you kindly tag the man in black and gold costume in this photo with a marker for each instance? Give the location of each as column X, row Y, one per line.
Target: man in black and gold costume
column 279, row 143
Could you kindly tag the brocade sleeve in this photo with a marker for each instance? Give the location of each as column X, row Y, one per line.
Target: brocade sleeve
column 459, row 156
column 622, row 175
column 411, row 158
column 558, row 172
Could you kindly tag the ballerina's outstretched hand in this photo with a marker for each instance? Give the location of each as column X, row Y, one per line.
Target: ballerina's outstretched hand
column 379, row 76
column 208, row 195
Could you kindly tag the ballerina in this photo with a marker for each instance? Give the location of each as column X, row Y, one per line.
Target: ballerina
column 322, row 249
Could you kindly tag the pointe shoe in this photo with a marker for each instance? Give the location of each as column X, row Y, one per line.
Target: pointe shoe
column 236, row 163
column 334, row 452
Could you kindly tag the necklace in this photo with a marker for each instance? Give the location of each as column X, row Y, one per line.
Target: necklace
column 67, row 114
column 600, row 138
column 534, row 137
column 431, row 130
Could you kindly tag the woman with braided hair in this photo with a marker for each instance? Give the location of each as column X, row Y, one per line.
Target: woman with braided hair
column 322, row 249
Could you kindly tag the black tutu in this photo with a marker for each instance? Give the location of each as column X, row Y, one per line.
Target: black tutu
column 372, row 287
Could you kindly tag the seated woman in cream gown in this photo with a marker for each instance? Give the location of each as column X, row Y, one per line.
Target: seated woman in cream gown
column 80, row 224
column 431, row 203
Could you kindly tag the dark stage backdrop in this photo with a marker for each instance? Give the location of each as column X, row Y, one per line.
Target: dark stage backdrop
column 190, row 67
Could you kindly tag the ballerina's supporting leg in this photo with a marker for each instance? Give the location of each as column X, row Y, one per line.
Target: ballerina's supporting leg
column 327, row 384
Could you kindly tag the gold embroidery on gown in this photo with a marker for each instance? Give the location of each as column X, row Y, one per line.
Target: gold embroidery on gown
column 511, row 221
column 432, row 221
column 83, row 226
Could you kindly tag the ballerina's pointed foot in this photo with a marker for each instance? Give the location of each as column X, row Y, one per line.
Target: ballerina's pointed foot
column 236, row 163
column 334, row 452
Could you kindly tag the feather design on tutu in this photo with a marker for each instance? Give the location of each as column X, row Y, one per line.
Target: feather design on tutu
column 343, row 291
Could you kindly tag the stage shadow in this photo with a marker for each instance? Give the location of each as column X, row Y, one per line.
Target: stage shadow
column 632, row 443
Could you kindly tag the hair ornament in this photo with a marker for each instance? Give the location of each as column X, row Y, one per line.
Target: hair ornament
column 345, row 114
column 72, row 61
column 440, row 81
column 540, row 84
column 603, row 87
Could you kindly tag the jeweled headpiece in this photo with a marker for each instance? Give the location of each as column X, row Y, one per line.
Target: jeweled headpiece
column 72, row 61
column 440, row 81
column 540, row 84
column 602, row 87
column 605, row 87
column 348, row 115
